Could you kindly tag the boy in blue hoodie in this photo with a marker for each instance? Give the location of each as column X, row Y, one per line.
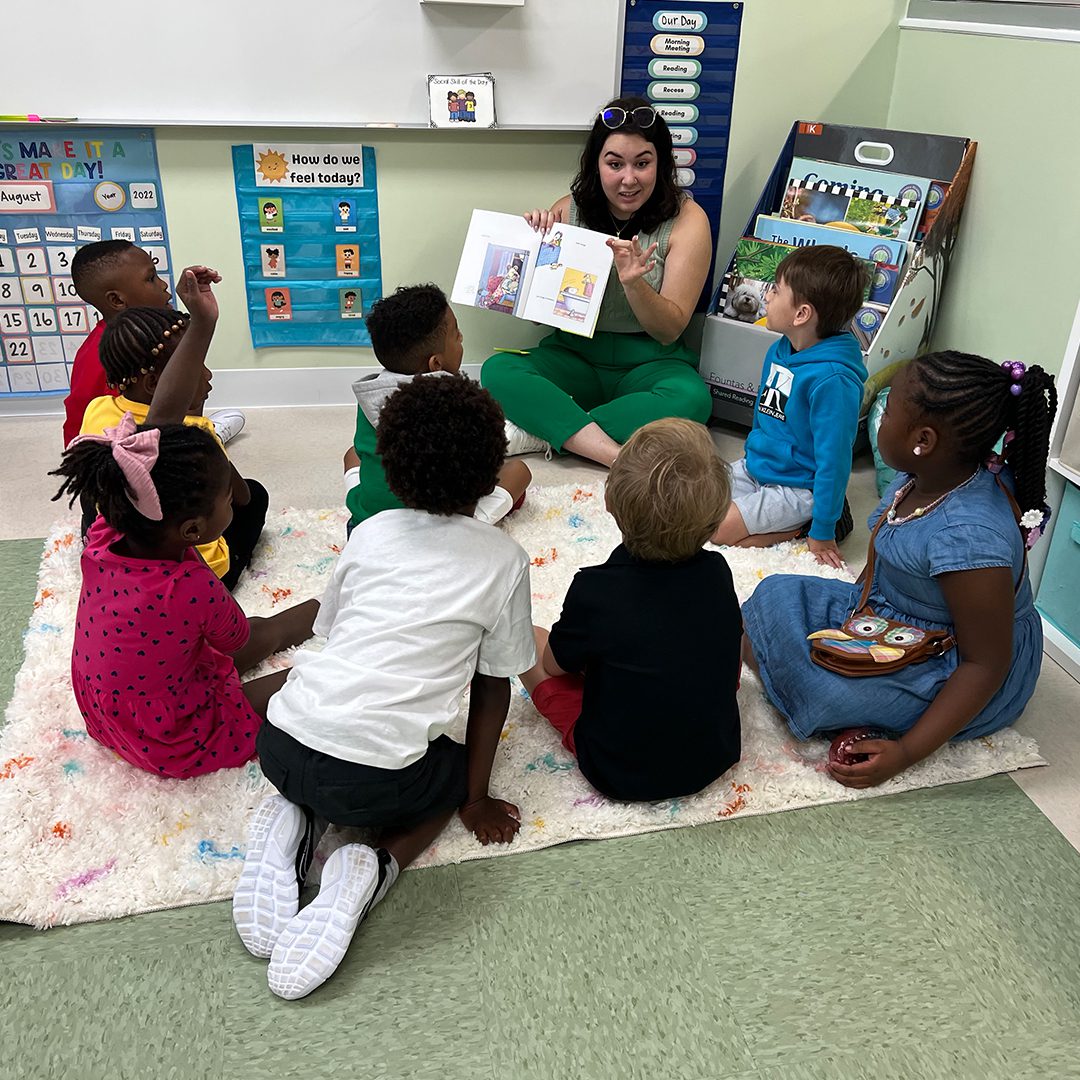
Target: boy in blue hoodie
column 794, row 476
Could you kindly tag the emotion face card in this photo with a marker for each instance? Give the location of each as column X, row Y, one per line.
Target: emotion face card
column 344, row 215
column 271, row 218
column 350, row 303
column 348, row 260
column 278, row 305
column 273, row 260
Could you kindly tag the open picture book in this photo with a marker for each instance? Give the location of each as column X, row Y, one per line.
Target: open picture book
column 557, row 279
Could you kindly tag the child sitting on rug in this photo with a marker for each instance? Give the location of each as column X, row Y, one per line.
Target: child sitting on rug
column 413, row 332
column 135, row 351
column 111, row 276
column 948, row 556
column 159, row 642
column 640, row 673
column 798, row 454
column 424, row 602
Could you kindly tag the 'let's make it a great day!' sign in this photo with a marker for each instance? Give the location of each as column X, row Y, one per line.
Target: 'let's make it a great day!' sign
column 61, row 188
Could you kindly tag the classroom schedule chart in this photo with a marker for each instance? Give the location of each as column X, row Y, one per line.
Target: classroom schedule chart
column 61, row 188
column 682, row 55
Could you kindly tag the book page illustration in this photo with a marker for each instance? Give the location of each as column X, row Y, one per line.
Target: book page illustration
column 501, row 280
column 557, row 279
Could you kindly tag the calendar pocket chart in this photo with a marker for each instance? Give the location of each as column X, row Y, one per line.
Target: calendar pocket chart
column 309, row 226
column 61, row 188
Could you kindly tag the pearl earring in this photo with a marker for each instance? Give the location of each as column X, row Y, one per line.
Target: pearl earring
column 917, row 451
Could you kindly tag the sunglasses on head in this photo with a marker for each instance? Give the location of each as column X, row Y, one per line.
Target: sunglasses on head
column 615, row 117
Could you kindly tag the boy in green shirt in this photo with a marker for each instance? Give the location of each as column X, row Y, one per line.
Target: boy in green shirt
column 413, row 332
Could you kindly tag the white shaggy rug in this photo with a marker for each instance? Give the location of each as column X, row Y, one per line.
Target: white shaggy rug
column 86, row 836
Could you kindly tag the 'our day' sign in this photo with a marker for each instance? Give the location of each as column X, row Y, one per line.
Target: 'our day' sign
column 302, row 165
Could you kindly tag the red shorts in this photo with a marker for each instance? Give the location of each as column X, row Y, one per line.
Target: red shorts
column 558, row 700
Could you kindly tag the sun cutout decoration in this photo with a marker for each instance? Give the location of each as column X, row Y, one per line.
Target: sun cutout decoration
column 272, row 166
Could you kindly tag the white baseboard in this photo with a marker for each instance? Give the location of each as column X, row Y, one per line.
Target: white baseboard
column 1061, row 648
column 246, row 388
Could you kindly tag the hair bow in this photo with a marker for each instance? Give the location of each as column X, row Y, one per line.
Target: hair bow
column 136, row 453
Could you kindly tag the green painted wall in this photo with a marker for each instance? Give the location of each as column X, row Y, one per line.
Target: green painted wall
column 429, row 183
column 828, row 67
column 1013, row 285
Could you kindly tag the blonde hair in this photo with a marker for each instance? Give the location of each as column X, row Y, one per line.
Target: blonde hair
column 668, row 490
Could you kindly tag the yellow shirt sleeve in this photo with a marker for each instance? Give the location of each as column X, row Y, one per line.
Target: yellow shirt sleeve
column 105, row 412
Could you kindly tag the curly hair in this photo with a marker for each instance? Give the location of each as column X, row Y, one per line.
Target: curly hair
column 407, row 327
column 974, row 397
column 139, row 340
column 187, row 475
column 588, row 192
column 668, row 490
column 831, row 280
column 442, row 440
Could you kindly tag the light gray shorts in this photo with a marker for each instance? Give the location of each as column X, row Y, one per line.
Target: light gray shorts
column 768, row 508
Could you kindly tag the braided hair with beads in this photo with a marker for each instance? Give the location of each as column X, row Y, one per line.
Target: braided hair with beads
column 138, row 341
column 187, row 476
column 984, row 402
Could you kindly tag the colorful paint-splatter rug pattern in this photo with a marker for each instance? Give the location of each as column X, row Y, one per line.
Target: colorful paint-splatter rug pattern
column 87, row 837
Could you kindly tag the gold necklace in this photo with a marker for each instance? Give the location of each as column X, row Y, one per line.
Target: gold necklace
column 616, row 226
column 921, row 511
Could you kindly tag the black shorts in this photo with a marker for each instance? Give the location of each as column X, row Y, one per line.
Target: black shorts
column 364, row 796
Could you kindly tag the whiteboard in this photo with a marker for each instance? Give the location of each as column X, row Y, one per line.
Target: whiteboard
column 320, row 63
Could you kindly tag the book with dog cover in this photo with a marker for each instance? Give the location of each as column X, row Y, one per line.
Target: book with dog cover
column 557, row 279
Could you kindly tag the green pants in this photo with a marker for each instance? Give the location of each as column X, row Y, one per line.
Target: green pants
column 619, row 381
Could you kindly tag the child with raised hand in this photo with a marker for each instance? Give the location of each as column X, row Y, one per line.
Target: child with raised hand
column 413, row 332
column 948, row 555
column 793, row 479
column 136, row 348
column 159, row 642
column 112, row 276
column 640, row 673
column 424, row 602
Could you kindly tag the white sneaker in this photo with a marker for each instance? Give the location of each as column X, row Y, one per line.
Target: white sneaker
column 519, row 441
column 314, row 943
column 228, row 423
column 268, row 894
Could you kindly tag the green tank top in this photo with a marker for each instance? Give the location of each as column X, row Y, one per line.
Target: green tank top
column 616, row 315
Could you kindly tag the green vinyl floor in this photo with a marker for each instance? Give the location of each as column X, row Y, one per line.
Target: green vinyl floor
column 931, row 934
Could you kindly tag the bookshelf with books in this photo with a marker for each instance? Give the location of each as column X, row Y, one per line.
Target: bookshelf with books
column 1055, row 562
column 892, row 198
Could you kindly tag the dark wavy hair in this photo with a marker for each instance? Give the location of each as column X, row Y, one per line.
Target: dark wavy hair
column 187, row 475
column 973, row 396
column 128, row 342
column 442, row 440
column 588, row 193
column 406, row 327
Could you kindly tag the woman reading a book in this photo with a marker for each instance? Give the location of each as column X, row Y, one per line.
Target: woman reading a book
column 587, row 396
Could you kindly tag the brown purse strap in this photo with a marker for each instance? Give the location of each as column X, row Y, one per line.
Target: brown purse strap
column 868, row 571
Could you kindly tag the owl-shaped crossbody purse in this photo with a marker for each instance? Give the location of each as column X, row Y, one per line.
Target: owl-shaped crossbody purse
column 869, row 644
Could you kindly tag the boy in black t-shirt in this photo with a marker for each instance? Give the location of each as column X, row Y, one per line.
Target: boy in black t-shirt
column 640, row 673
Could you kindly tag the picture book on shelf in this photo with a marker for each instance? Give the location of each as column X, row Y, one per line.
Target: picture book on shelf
column 866, row 182
column 821, row 203
column 557, row 279
column 877, row 249
column 753, row 270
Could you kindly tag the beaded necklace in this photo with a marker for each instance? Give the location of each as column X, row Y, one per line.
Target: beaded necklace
column 921, row 511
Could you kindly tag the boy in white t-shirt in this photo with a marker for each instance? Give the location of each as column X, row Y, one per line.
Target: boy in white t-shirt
column 424, row 601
